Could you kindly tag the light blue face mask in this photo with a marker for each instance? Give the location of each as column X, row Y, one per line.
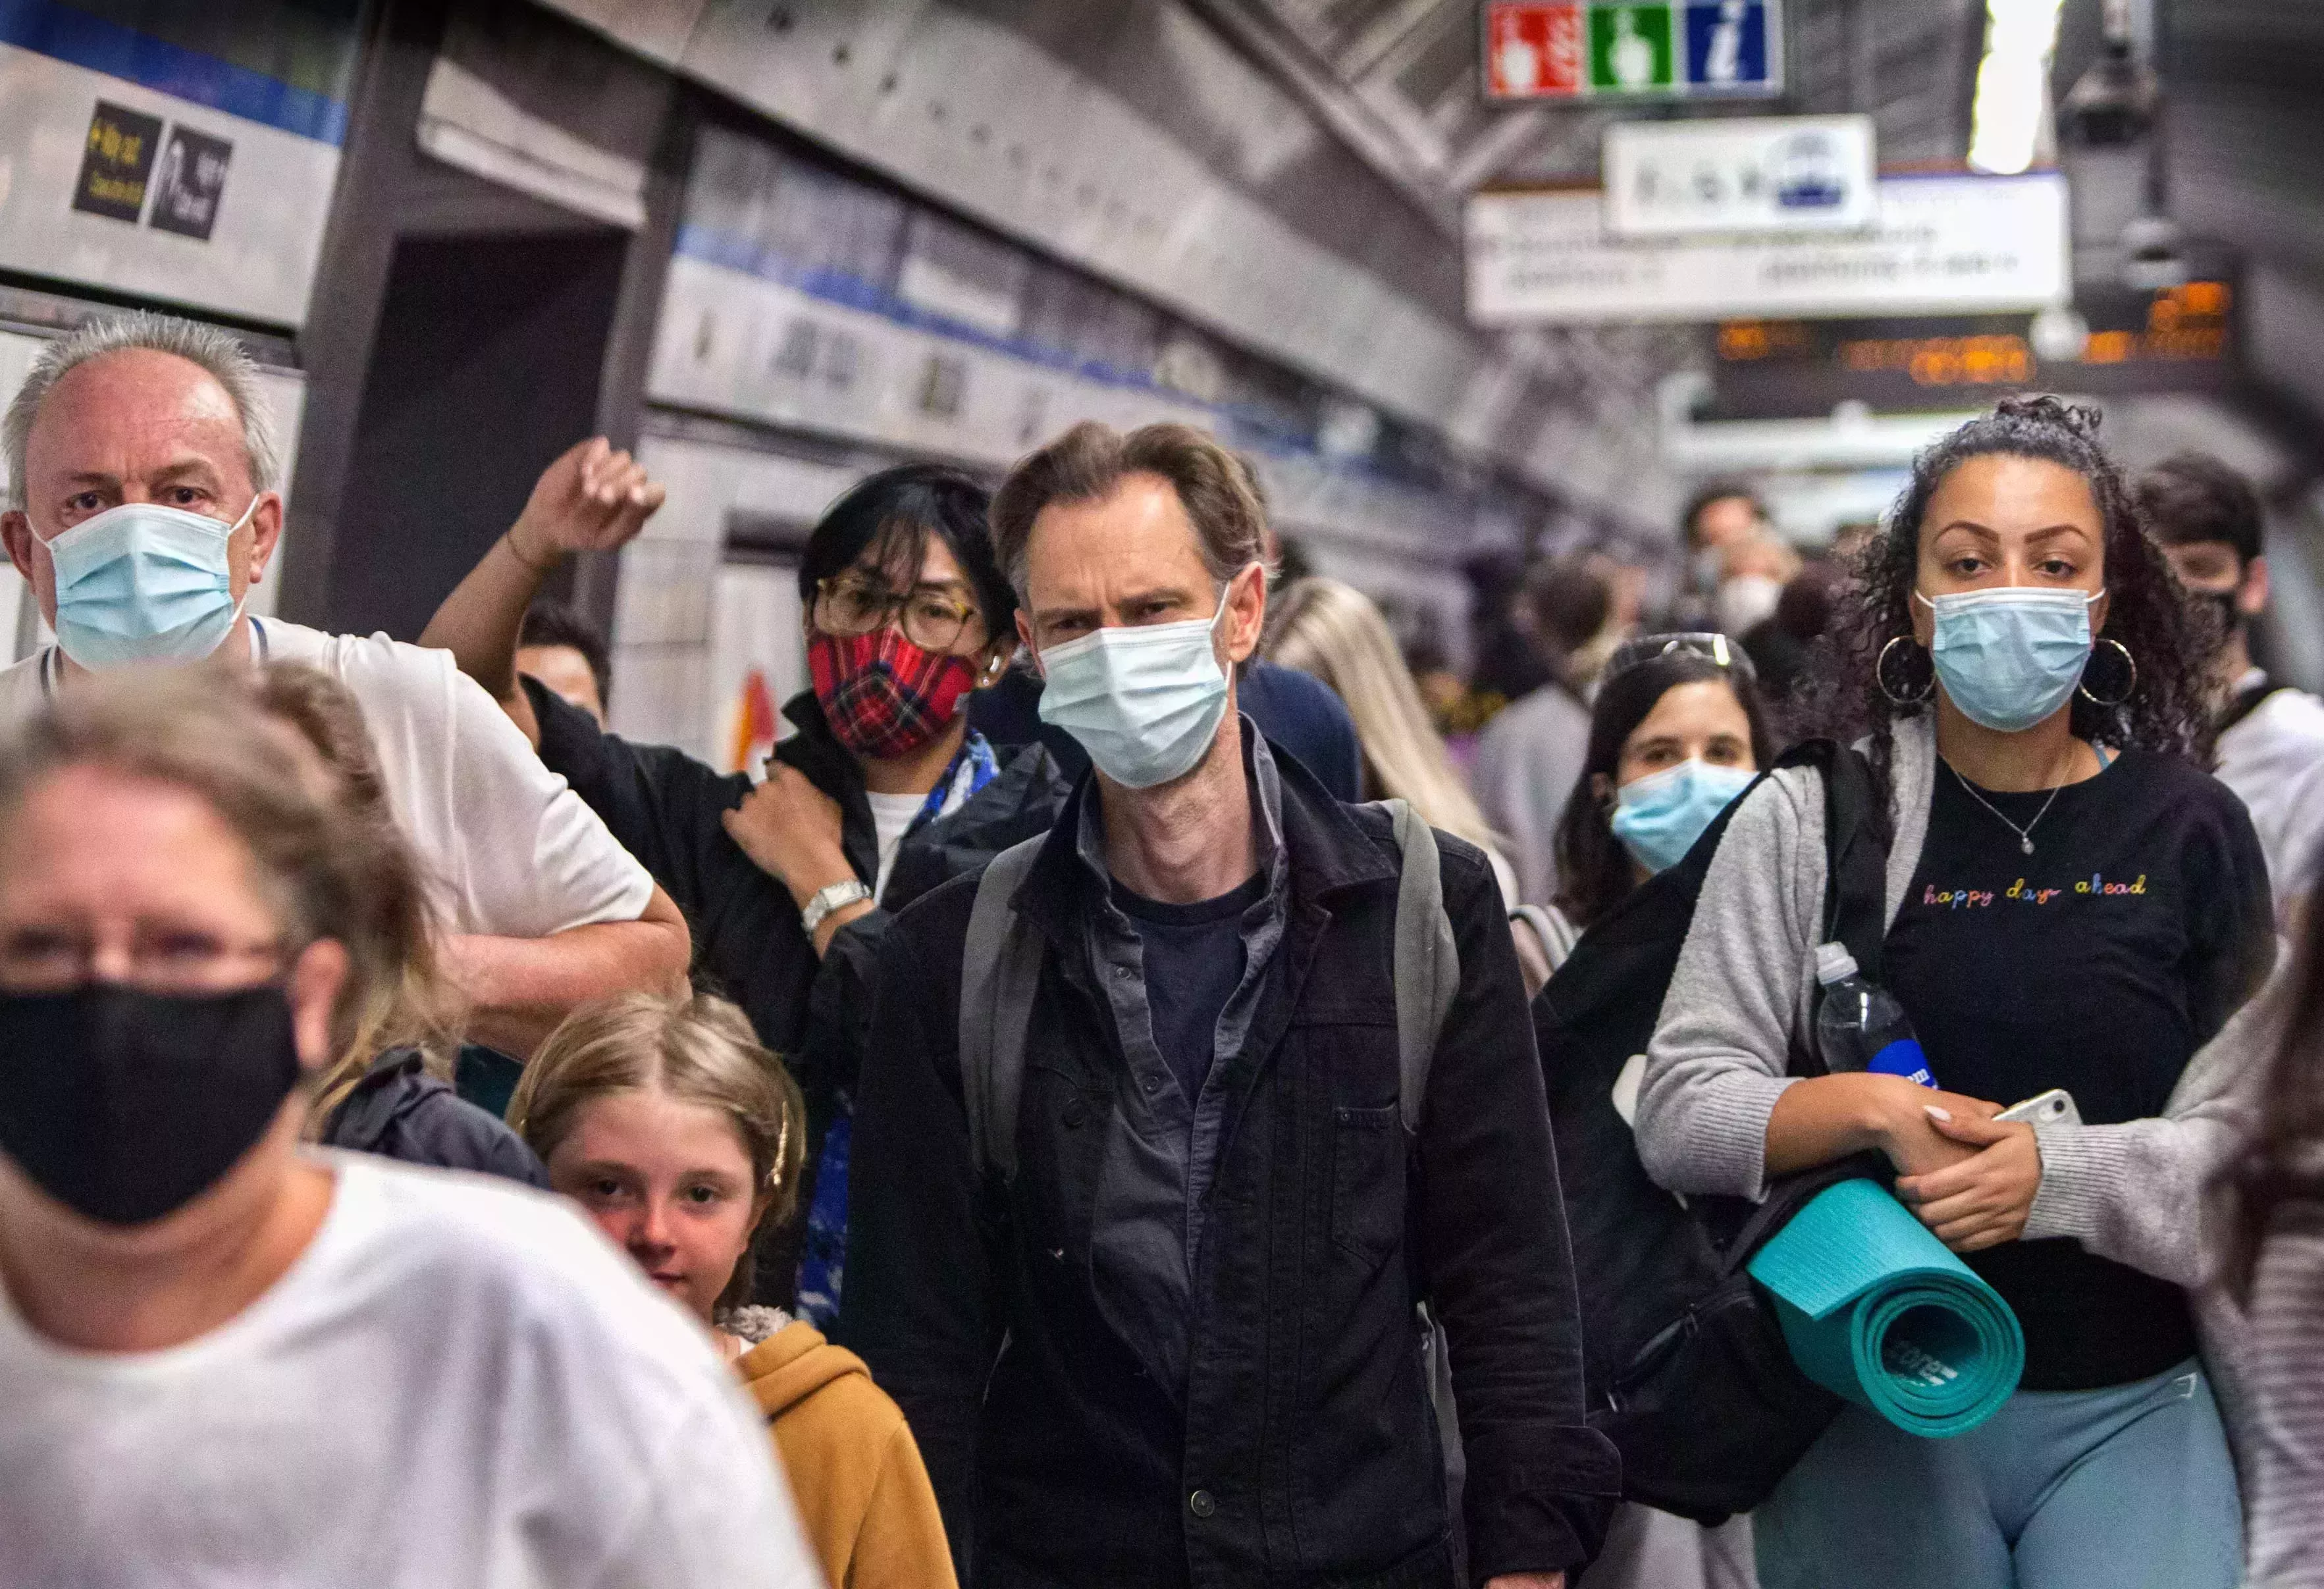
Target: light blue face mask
column 1659, row 817
column 145, row 583
column 1145, row 701
column 2010, row 657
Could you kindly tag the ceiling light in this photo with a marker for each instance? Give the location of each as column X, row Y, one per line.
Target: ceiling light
column 2012, row 85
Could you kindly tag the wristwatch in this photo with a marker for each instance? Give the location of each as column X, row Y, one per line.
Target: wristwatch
column 830, row 897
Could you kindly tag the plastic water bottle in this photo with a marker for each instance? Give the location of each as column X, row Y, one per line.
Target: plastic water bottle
column 1859, row 1027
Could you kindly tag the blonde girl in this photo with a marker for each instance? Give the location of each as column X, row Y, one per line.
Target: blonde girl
column 680, row 1135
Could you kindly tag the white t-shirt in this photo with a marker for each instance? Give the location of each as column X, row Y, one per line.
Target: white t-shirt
column 2274, row 761
column 892, row 813
column 459, row 1384
column 892, row 816
column 510, row 849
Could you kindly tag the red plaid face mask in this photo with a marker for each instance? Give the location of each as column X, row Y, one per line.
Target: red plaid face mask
column 883, row 695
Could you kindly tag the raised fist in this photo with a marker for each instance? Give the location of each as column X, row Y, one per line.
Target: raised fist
column 591, row 499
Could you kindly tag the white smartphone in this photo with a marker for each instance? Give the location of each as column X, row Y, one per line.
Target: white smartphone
column 2054, row 1107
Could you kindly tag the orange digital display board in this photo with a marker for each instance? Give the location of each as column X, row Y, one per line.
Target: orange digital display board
column 2178, row 337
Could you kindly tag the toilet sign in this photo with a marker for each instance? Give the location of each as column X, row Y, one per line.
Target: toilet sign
column 1630, row 48
column 1634, row 49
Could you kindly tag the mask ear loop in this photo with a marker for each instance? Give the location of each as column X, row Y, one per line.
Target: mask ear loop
column 1880, row 677
column 2128, row 689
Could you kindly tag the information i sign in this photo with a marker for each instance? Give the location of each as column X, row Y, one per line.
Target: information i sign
column 1635, row 49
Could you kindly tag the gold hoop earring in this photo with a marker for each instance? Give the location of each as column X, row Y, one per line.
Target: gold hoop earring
column 1880, row 677
column 2128, row 689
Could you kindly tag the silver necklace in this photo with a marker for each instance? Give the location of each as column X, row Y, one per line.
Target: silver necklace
column 2025, row 834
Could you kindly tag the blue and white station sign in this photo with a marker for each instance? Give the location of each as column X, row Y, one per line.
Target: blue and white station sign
column 1797, row 173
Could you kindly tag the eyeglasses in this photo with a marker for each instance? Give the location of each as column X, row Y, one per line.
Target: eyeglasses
column 153, row 959
column 1709, row 646
column 931, row 617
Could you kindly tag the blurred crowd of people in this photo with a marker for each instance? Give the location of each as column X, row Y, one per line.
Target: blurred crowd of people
column 1080, row 1112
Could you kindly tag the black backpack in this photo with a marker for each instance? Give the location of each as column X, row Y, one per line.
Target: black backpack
column 1685, row 1367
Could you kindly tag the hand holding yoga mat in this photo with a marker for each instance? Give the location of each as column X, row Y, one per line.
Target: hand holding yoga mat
column 1876, row 1309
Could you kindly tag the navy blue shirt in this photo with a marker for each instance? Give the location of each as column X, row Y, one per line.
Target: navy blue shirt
column 1299, row 712
column 1194, row 958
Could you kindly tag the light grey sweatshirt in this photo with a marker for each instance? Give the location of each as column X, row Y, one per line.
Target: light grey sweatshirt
column 2284, row 1470
column 1742, row 995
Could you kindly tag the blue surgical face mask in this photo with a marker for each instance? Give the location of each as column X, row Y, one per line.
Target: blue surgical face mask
column 145, row 583
column 1659, row 817
column 2010, row 657
column 1145, row 701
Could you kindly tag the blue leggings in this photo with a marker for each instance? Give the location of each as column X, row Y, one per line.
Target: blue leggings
column 2125, row 1488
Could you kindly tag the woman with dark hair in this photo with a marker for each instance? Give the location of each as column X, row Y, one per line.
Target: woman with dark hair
column 882, row 792
column 1676, row 732
column 2073, row 904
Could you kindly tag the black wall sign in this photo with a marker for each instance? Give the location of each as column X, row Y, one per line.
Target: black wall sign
column 189, row 183
column 115, row 161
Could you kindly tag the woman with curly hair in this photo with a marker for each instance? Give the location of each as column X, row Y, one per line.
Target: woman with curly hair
column 2073, row 904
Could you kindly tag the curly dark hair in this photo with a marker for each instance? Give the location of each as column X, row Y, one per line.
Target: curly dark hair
column 2147, row 611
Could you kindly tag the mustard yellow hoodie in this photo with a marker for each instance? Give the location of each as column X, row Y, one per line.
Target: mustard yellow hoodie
column 855, row 1471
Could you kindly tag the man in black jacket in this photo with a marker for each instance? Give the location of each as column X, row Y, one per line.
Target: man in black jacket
column 1179, row 1346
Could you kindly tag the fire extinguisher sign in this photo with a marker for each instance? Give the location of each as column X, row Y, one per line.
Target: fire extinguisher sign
column 1537, row 50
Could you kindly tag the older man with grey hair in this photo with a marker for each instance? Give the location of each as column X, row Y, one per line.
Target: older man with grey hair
column 143, row 505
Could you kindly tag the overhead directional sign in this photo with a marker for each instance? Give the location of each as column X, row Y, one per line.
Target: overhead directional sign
column 1797, row 173
column 1641, row 49
column 1938, row 244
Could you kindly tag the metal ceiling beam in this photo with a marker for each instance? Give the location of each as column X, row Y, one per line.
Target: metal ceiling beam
column 1256, row 30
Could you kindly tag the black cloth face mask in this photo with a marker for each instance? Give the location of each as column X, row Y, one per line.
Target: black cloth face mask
column 2231, row 616
column 124, row 1106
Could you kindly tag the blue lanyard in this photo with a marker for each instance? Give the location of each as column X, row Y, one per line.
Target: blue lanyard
column 976, row 756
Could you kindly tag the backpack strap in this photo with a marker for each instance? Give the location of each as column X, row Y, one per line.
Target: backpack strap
column 1551, row 928
column 1427, row 971
column 1427, row 960
column 1856, row 860
column 2246, row 703
column 1856, row 863
column 999, row 972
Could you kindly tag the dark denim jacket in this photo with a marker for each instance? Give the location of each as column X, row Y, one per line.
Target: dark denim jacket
column 1301, row 1449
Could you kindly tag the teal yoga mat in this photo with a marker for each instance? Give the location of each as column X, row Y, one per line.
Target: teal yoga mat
column 1875, row 1309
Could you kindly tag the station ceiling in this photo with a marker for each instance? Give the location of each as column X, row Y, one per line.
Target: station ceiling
column 1399, row 80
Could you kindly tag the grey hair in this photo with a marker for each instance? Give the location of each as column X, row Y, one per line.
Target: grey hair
column 218, row 351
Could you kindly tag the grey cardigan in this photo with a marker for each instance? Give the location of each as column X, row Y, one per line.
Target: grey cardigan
column 2134, row 1192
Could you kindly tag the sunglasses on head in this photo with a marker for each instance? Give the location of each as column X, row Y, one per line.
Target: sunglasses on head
column 1710, row 647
